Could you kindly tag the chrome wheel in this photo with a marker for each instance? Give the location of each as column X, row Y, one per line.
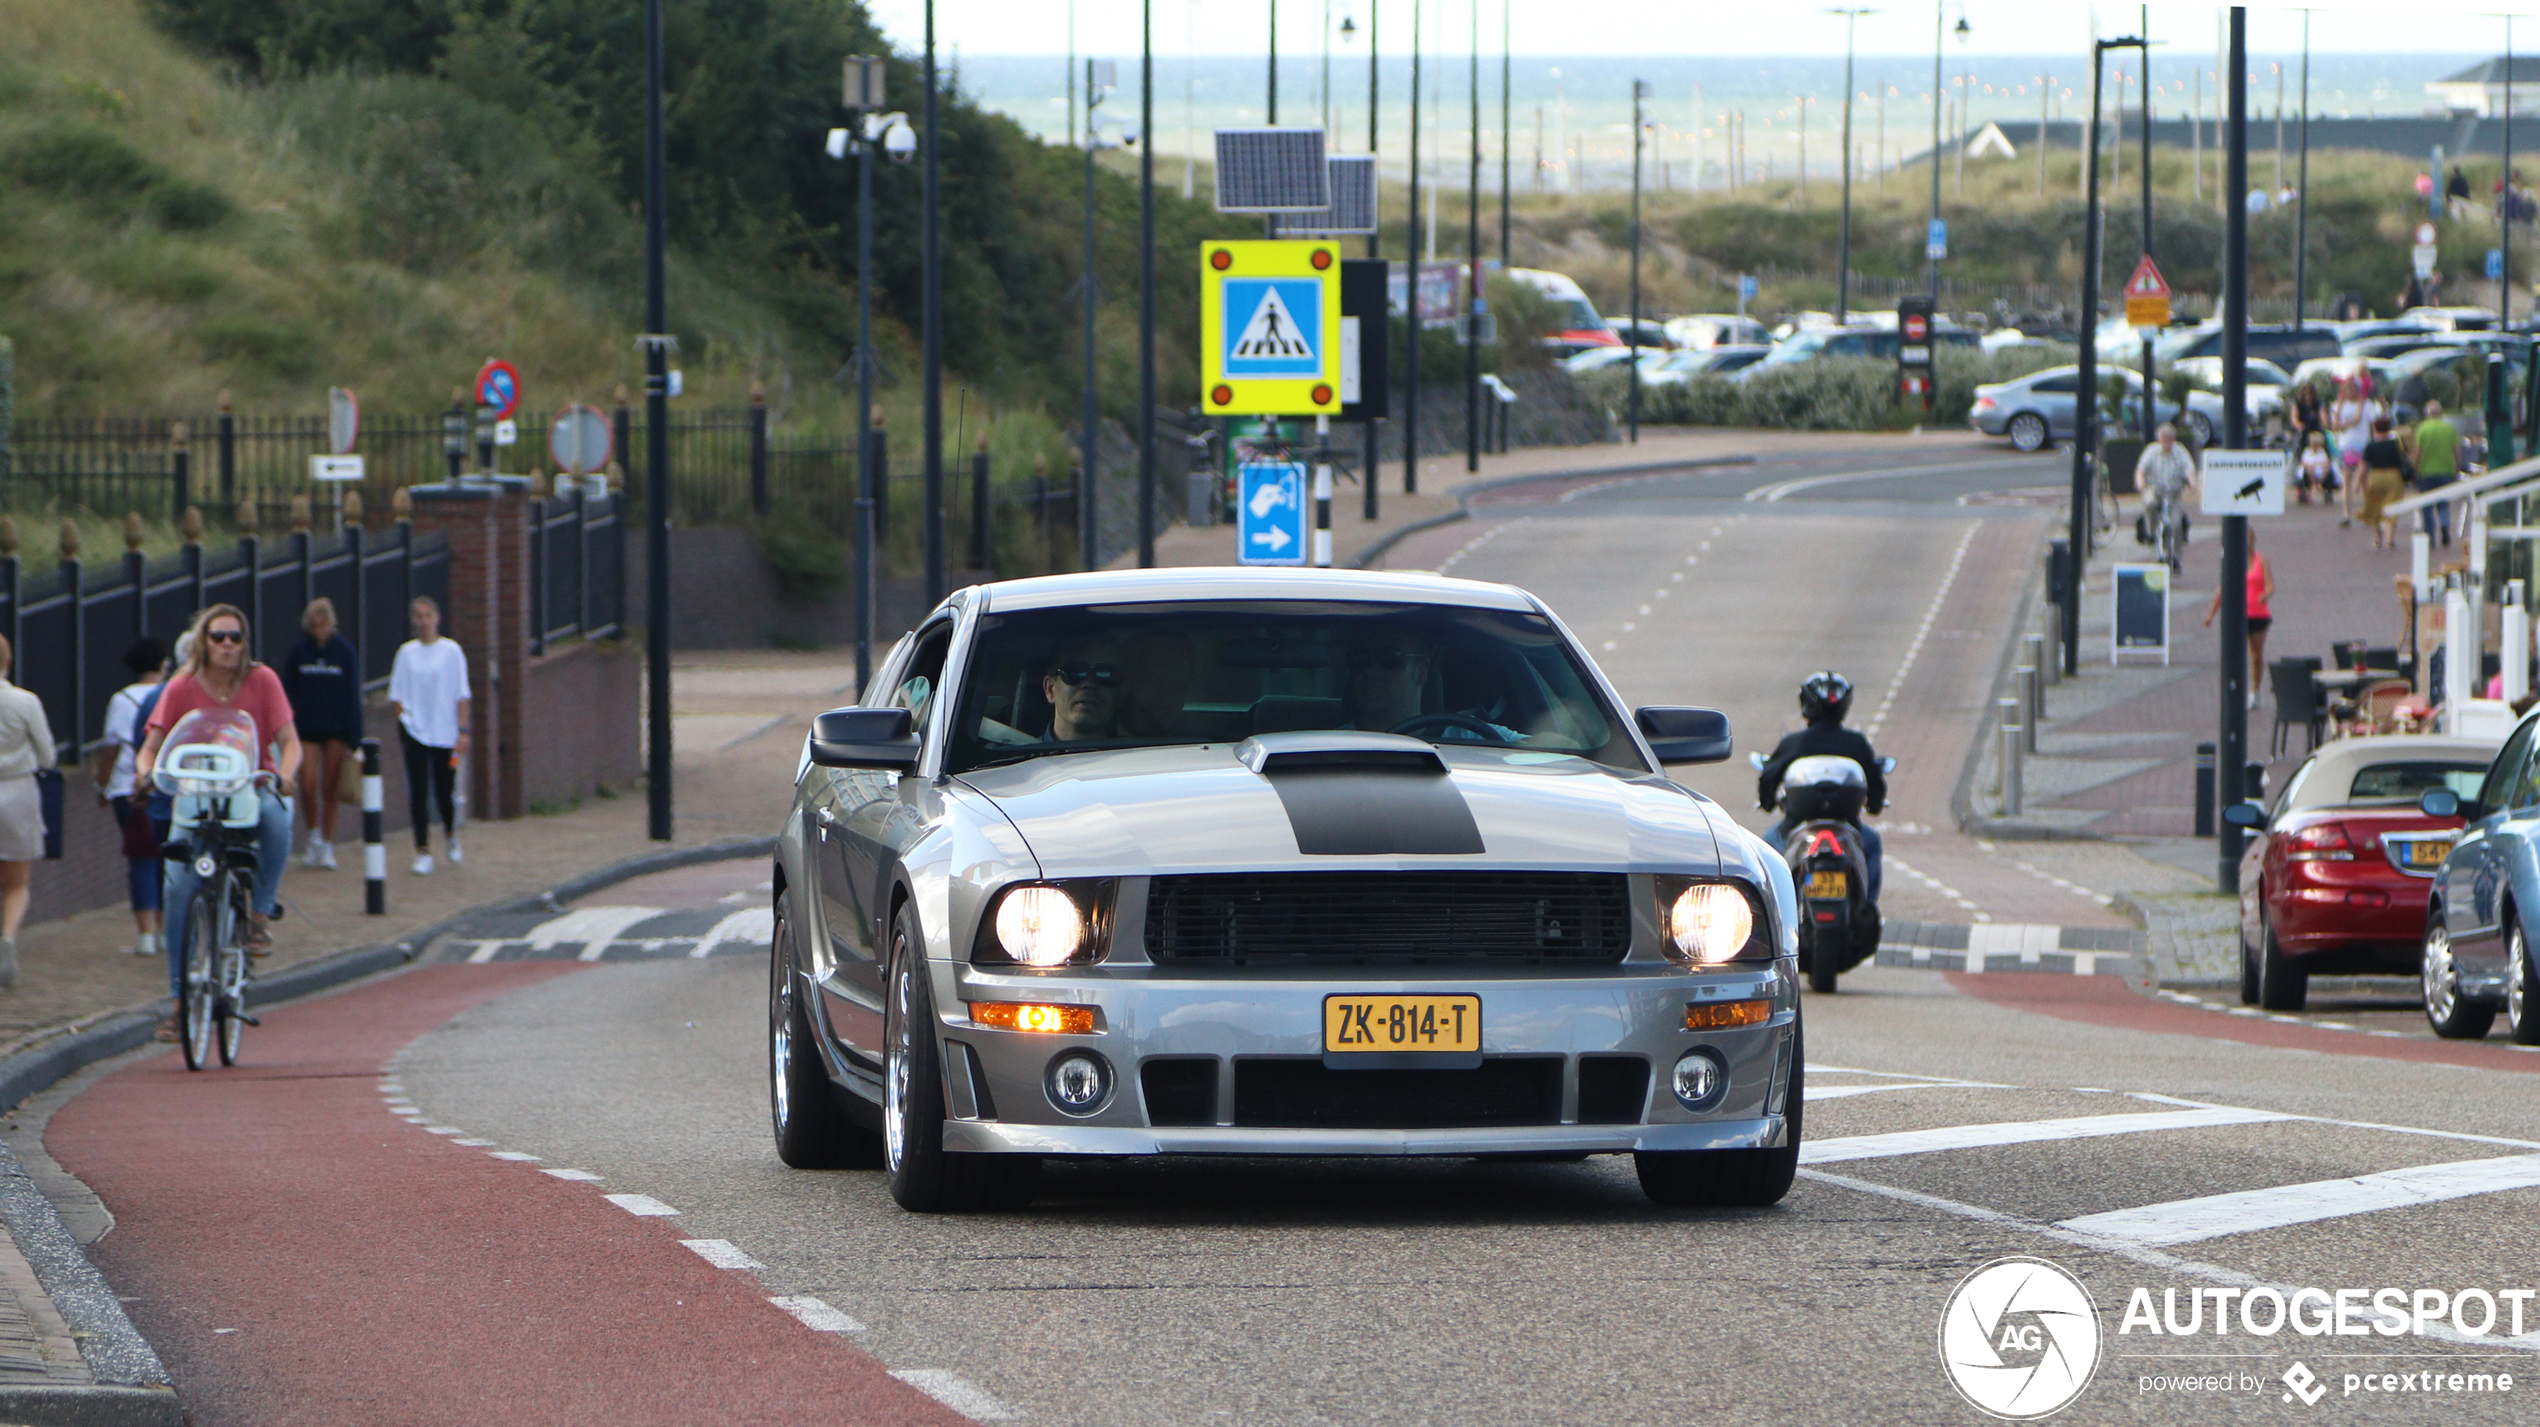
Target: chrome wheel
column 898, row 1075
column 2522, row 999
column 780, row 1033
column 2442, row 978
column 2028, row 432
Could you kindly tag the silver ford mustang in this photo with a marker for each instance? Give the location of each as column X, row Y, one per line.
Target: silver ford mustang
column 1236, row 862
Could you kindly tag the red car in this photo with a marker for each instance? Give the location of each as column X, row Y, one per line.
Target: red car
column 2335, row 875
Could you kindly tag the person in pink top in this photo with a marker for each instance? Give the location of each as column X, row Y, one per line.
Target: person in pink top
column 222, row 672
column 2261, row 617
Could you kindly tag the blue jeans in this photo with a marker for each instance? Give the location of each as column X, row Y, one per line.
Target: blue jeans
column 273, row 853
column 1869, row 850
column 2436, row 519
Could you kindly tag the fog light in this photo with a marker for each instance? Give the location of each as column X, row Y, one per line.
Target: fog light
column 1078, row 1083
column 1700, row 1079
column 1724, row 1015
column 1025, row 1016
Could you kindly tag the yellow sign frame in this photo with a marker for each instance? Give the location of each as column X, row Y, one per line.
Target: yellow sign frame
column 1319, row 394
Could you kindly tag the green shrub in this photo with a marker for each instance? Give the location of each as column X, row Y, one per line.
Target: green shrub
column 82, row 162
column 1832, row 394
column 184, row 207
column 808, row 563
column 281, row 347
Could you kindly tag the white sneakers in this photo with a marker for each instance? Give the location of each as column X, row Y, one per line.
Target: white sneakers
column 320, row 856
column 149, row 945
column 423, row 864
column 457, row 855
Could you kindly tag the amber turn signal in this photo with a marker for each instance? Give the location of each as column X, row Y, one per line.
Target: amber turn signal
column 1026, row 1016
column 1724, row 1015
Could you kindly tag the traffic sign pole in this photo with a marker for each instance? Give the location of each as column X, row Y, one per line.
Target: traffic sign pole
column 1323, row 492
column 2235, row 528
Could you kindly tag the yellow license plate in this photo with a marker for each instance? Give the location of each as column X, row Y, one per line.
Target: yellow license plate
column 1829, row 886
column 1389, row 1025
column 2428, row 854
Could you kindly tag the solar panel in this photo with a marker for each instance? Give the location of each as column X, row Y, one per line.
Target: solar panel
column 1352, row 179
column 1271, row 171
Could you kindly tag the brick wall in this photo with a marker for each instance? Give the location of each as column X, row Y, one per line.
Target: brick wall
column 579, row 726
column 724, row 596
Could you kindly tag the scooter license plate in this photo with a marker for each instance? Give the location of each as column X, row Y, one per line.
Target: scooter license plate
column 1829, row 886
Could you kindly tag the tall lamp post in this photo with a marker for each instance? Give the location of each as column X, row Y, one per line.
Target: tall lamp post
column 2148, row 422
column 1843, row 260
column 1474, row 303
column 1146, row 285
column 656, row 438
column 2302, row 185
column 2086, row 380
column 2235, row 528
column 1101, row 77
column 1631, row 363
column 891, row 134
column 1411, row 253
column 1931, row 252
column 1368, row 495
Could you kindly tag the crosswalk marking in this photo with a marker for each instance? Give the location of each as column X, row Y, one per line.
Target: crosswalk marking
column 1844, row 1092
column 756, row 925
column 2213, row 1216
column 596, row 927
column 2020, row 1132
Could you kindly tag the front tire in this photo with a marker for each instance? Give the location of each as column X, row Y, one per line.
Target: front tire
column 2248, row 971
column 2199, row 428
column 813, row 1131
column 1732, row 1179
column 2454, row 1016
column 2282, row 986
column 2027, row 432
column 194, row 1007
column 925, row 1176
column 2522, row 994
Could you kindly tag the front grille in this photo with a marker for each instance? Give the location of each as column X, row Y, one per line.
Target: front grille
column 1304, row 1095
column 1326, row 918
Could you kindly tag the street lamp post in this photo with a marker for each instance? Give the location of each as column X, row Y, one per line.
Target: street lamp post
column 2302, row 182
column 1474, row 304
column 1368, row 495
column 931, row 239
column 1631, row 363
column 656, row 438
column 2145, row 34
column 1931, row 253
column 1843, row 260
column 2235, row 528
column 870, row 130
column 2086, row 378
column 1101, row 76
column 1146, row 285
column 1411, row 254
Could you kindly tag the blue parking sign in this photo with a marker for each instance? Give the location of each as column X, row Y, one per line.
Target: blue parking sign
column 2495, row 265
column 1270, row 513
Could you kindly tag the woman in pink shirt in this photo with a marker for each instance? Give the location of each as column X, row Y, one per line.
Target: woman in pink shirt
column 2261, row 617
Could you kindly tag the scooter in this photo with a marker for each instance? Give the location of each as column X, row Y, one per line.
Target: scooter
column 1822, row 796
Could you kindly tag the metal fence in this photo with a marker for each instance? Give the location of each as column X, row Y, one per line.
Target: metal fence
column 577, row 569
column 70, row 625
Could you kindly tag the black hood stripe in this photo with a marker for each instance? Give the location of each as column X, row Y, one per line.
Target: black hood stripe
column 1356, row 813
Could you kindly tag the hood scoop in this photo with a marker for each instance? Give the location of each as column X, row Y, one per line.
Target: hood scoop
column 1364, row 794
column 1329, row 749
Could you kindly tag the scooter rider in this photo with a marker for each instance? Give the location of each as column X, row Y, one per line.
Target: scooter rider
column 1824, row 698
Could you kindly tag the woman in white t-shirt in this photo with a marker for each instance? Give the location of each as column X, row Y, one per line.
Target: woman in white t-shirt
column 428, row 692
column 125, row 733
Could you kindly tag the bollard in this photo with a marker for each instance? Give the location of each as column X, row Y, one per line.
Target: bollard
column 2036, row 649
column 2030, row 696
column 2204, row 790
column 2010, row 711
column 374, row 844
column 2053, row 663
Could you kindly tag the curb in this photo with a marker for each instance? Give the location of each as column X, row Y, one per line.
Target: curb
column 133, row 1388
column 1463, row 498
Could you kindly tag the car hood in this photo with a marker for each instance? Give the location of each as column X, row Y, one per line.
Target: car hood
column 1137, row 812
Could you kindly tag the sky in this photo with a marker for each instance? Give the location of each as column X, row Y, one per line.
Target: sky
column 1682, row 27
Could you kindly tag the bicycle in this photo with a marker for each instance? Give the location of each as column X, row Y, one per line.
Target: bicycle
column 209, row 770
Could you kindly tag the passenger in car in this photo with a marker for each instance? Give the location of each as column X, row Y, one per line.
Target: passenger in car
column 1082, row 684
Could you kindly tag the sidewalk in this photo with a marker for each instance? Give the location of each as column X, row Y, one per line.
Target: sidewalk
column 2116, row 752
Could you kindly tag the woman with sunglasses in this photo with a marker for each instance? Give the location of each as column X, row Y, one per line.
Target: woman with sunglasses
column 220, row 671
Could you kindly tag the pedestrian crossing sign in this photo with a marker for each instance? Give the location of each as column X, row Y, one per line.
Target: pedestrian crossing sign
column 1270, row 319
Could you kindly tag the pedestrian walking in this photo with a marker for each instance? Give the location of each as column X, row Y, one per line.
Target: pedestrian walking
column 323, row 677
column 2383, row 482
column 2261, row 615
column 127, row 716
column 2350, row 416
column 2316, row 472
column 2438, row 464
column 428, row 691
column 26, row 745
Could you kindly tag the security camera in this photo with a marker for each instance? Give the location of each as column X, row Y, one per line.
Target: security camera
column 900, row 142
column 837, row 145
column 1129, row 138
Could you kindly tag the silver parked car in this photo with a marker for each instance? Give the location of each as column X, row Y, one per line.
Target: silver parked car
column 2039, row 409
column 1271, row 862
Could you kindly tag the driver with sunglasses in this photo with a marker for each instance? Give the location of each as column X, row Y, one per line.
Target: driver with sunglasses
column 1083, row 687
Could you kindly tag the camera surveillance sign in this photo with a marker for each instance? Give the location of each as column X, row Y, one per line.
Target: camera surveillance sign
column 1270, row 328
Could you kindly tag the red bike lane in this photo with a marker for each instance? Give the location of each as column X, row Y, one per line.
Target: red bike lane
column 298, row 1255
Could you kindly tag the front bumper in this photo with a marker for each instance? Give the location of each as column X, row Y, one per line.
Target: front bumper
column 999, row 1104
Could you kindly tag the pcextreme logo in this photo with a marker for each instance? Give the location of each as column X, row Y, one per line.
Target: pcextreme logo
column 2019, row 1338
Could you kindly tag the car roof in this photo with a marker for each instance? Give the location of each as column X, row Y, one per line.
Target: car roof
column 2335, row 765
column 1239, row 582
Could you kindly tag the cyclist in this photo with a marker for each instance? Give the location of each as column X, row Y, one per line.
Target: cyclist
column 1824, row 698
column 222, row 672
column 2165, row 475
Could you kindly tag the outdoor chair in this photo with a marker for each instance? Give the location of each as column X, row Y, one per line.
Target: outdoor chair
column 2297, row 699
column 2375, row 708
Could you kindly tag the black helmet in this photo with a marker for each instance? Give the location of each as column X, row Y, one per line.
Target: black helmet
column 1825, row 695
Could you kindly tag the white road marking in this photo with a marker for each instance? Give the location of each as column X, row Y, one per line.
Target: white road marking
column 1497, row 529
column 754, row 925
column 594, row 927
column 443, row 1130
column 516, row 1156
column 2213, row 1216
column 581, row 1175
column 485, row 951
column 721, row 1253
column 2021, row 1132
column 473, row 1144
column 1845, row 1092
column 956, row 1392
column 1931, row 612
column 1773, row 494
column 643, row 1206
column 819, row 1317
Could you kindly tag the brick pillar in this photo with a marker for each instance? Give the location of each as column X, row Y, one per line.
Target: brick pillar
column 486, row 523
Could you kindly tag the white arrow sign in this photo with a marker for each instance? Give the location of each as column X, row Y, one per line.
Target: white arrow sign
column 1276, row 537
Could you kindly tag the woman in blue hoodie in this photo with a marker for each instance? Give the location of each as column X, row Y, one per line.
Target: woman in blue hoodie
column 322, row 675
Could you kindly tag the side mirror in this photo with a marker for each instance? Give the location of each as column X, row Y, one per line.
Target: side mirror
column 1683, row 735
column 1887, row 765
column 2442, row 803
column 864, row 738
column 2245, row 815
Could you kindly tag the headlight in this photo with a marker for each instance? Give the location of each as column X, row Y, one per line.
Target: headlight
column 1044, row 925
column 1707, row 923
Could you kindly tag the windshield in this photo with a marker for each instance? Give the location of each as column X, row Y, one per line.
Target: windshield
column 1129, row 676
column 214, row 746
column 2407, row 782
column 1577, row 315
